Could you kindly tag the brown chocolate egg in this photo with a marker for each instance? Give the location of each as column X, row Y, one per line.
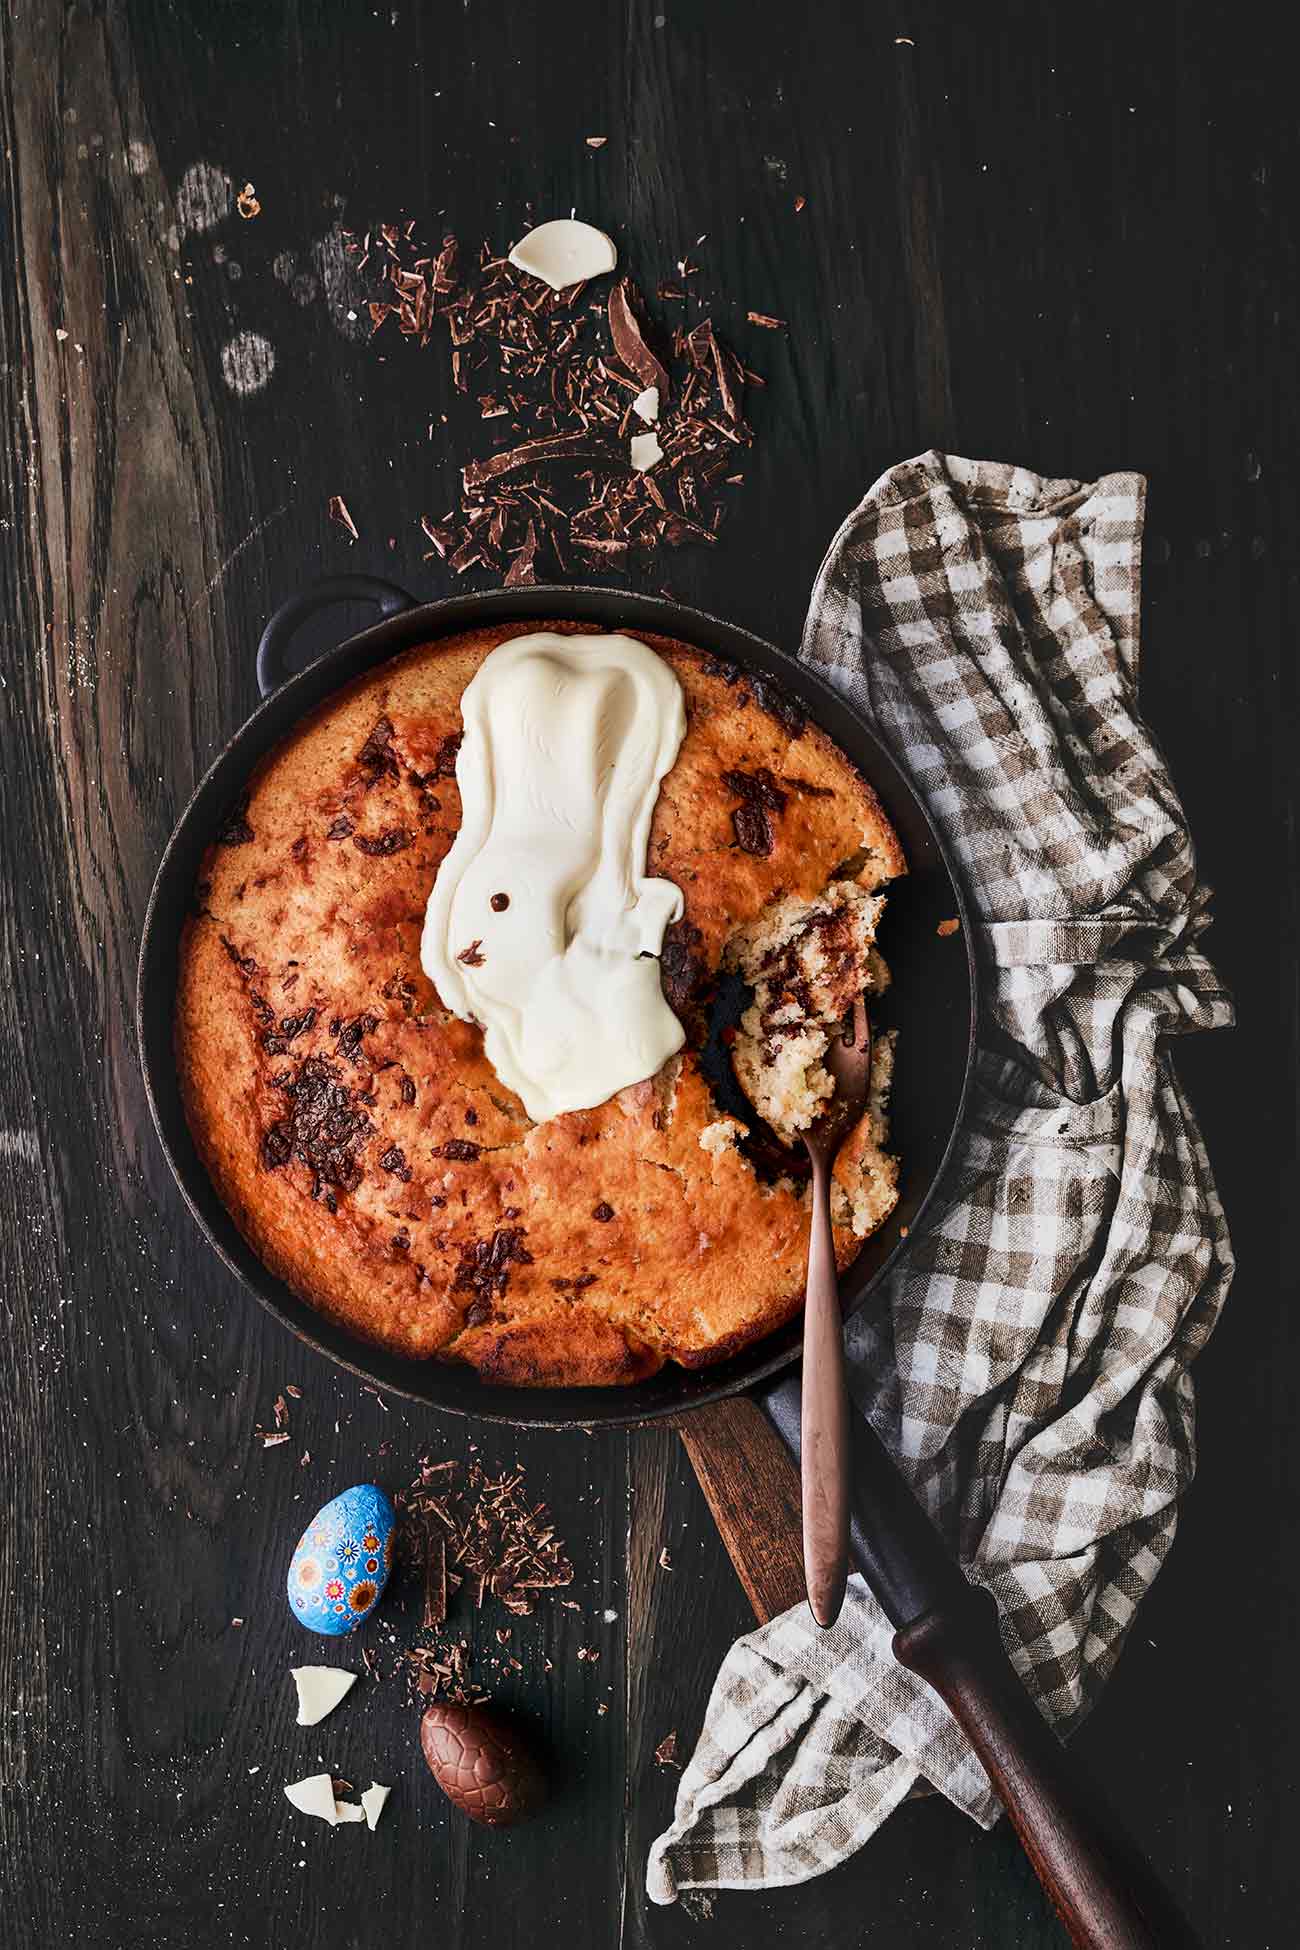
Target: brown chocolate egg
column 482, row 1763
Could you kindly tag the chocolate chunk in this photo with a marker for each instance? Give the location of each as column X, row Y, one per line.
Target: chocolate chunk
column 572, row 1288
column 761, row 796
column 753, row 830
column 484, row 1268
column 473, row 956
column 773, row 700
column 341, row 828
column 391, row 842
column 394, row 1161
column 680, row 968
column 462, row 1151
column 321, row 1126
column 444, row 764
column 757, row 788
column 499, row 903
column 629, row 340
column 604, row 1212
column 277, row 1146
column 376, row 756
column 350, row 1035
column 408, row 1090
column 246, row 964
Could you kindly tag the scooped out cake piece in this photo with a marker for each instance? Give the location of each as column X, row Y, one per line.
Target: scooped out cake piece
column 807, row 961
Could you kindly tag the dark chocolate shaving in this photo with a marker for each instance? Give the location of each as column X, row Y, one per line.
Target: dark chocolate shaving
column 462, row 1530
column 629, row 340
column 556, row 446
column 558, row 378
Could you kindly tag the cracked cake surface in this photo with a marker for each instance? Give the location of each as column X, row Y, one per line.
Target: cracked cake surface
column 355, row 1129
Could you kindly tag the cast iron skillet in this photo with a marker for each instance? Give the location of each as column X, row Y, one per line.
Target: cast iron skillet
column 947, row 1630
column 933, row 1001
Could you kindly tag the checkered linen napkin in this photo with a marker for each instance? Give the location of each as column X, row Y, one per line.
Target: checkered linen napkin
column 1027, row 1364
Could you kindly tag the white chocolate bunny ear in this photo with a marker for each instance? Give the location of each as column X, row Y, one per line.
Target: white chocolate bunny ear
column 565, row 252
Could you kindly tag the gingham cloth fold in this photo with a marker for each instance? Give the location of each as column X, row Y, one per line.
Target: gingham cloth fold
column 1028, row 1364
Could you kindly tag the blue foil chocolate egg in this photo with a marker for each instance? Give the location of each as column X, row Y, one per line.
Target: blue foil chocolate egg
column 340, row 1567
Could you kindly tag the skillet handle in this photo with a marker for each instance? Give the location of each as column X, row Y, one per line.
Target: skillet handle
column 272, row 651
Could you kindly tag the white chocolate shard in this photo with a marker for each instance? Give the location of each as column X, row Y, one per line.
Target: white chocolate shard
column 565, row 252
column 320, row 1688
column 646, row 451
column 314, row 1796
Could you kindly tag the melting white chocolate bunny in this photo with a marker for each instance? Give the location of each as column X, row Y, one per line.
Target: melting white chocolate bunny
column 543, row 925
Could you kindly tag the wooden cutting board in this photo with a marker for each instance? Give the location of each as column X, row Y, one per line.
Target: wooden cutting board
column 751, row 1484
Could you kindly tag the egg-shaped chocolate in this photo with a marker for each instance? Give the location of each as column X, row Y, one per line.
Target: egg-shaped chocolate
column 482, row 1763
column 339, row 1569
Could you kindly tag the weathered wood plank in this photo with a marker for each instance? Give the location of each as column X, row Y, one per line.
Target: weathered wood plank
column 1069, row 248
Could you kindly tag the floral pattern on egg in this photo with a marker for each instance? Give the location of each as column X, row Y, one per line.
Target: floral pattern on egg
column 341, row 1562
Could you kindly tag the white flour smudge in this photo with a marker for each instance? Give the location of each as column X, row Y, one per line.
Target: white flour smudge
column 301, row 285
column 247, row 362
column 345, row 292
column 204, row 197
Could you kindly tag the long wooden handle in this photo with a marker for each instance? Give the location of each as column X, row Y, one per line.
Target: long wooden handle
column 824, row 1439
column 1103, row 1892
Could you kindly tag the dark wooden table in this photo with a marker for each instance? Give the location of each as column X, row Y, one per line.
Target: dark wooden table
column 1056, row 235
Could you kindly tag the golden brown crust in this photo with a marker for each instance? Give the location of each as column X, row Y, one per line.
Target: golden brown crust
column 361, row 1140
